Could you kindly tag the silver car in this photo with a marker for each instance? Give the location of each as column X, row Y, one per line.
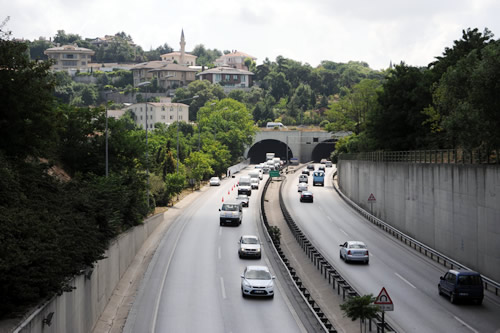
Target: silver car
column 243, row 198
column 250, row 247
column 302, row 187
column 354, row 251
column 214, row 181
column 257, row 281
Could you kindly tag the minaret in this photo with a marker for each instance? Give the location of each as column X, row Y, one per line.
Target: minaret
column 183, row 45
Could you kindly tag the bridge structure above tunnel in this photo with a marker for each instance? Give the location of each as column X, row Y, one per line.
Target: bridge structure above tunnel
column 306, row 145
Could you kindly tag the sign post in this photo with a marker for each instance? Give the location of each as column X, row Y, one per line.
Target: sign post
column 371, row 200
column 384, row 302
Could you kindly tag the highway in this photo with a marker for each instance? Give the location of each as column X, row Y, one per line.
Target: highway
column 410, row 278
column 193, row 281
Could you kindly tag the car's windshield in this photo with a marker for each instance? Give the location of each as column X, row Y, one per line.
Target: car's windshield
column 258, row 275
column 229, row 207
column 249, row 240
column 469, row 280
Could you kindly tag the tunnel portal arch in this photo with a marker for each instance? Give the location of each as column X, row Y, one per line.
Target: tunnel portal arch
column 257, row 153
column 323, row 150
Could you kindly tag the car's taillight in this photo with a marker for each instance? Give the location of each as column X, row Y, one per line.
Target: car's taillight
column 349, row 252
column 366, row 252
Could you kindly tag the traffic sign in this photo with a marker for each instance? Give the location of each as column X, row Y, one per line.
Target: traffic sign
column 274, row 173
column 384, row 301
column 371, row 198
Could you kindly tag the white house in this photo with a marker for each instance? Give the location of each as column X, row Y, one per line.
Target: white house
column 152, row 113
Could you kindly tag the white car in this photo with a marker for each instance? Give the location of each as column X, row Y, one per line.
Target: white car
column 257, row 281
column 249, row 247
column 354, row 251
column 302, row 187
column 214, row 181
column 303, row 178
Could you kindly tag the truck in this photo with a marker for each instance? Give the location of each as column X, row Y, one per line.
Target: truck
column 269, row 156
column 318, row 178
column 245, row 185
column 255, row 174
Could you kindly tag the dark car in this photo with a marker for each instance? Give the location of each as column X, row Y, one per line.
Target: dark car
column 310, row 167
column 462, row 284
column 306, row 196
column 306, row 172
column 321, row 168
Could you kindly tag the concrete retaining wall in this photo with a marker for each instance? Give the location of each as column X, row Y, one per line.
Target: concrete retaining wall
column 79, row 310
column 452, row 208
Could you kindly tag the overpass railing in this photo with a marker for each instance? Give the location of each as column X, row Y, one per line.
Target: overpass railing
column 451, row 156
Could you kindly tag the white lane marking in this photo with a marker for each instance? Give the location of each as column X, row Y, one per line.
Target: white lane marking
column 465, row 324
column 321, row 209
column 157, row 305
column 329, row 218
column 345, row 233
column 219, row 253
column 222, row 287
column 405, row 280
column 220, row 231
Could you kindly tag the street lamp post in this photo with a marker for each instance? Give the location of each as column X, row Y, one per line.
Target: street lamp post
column 146, row 84
column 182, row 100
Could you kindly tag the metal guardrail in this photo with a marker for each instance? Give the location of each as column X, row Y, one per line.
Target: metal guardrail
column 326, row 269
column 315, row 309
column 445, row 156
column 413, row 243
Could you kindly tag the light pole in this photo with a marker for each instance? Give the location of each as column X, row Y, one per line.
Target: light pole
column 182, row 100
column 146, row 84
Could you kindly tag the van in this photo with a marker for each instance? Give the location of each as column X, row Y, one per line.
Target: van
column 231, row 213
column 461, row 285
column 273, row 125
column 245, row 186
column 318, row 178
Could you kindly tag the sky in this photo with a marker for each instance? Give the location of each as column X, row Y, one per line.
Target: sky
column 374, row 31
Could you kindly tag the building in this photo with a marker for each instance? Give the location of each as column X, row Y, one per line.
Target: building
column 229, row 78
column 69, row 58
column 234, row 59
column 181, row 57
column 168, row 75
column 164, row 112
column 171, row 72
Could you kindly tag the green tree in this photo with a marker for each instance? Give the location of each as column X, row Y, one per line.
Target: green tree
column 205, row 92
column 230, row 122
column 37, row 47
column 28, row 121
column 360, row 307
column 199, row 166
column 278, row 84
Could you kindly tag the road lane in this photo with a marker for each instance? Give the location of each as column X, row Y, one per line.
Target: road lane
column 193, row 282
column 411, row 279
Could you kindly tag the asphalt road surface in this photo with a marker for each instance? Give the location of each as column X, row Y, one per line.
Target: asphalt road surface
column 410, row 278
column 193, row 283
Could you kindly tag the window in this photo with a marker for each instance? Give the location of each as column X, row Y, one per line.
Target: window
column 235, row 77
column 70, row 63
column 171, row 108
column 228, row 77
column 171, row 117
column 141, row 117
column 163, row 108
column 218, row 77
column 84, row 63
column 68, row 56
column 151, row 117
column 163, row 117
column 315, row 140
column 180, row 117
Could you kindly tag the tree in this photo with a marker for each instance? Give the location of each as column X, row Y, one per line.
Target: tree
column 231, row 123
column 63, row 38
column 278, row 84
column 206, row 57
column 37, row 47
column 205, row 92
column 466, row 101
column 199, row 166
column 28, row 121
column 397, row 122
column 361, row 307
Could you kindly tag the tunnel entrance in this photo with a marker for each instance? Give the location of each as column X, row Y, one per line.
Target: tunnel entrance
column 323, row 150
column 257, row 153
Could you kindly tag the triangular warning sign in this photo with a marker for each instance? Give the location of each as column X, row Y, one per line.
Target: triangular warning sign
column 371, row 197
column 383, row 297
